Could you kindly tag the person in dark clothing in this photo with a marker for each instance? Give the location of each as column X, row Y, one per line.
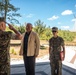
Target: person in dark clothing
column 30, row 49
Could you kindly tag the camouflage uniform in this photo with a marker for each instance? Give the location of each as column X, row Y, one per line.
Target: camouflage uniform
column 4, row 52
column 55, row 62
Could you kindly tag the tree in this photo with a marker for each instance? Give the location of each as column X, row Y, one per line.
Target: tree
column 21, row 29
column 39, row 27
column 48, row 33
column 9, row 11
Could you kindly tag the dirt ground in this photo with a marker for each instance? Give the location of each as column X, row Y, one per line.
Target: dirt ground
column 42, row 52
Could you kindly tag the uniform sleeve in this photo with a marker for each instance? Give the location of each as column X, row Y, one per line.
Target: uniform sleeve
column 62, row 42
column 9, row 34
column 50, row 42
column 15, row 37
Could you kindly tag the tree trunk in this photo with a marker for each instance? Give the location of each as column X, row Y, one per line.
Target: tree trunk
column 6, row 8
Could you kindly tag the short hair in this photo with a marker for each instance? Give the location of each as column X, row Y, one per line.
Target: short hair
column 54, row 29
column 29, row 23
column 2, row 19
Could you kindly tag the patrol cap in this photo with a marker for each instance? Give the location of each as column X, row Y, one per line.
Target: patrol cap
column 54, row 29
column 1, row 19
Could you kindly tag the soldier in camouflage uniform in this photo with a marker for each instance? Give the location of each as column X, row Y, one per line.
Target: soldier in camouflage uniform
column 5, row 45
column 56, row 44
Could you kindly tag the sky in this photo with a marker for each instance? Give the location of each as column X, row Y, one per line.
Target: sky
column 59, row 13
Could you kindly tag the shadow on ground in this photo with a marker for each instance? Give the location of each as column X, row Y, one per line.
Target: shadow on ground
column 42, row 68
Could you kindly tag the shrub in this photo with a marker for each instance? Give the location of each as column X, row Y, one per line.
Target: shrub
column 42, row 47
column 12, row 51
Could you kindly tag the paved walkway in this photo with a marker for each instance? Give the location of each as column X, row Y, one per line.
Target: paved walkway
column 42, row 67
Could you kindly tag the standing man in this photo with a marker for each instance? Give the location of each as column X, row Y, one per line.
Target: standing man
column 56, row 45
column 5, row 37
column 30, row 49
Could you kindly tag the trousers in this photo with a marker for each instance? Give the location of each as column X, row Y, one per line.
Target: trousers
column 56, row 67
column 29, row 63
